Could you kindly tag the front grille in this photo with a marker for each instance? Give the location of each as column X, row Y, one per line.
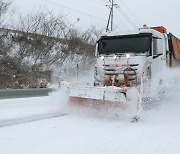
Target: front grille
column 131, row 75
column 128, row 71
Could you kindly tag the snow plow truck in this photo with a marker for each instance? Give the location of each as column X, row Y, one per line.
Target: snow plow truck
column 125, row 65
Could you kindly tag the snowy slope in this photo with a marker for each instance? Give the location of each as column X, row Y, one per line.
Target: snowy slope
column 157, row 132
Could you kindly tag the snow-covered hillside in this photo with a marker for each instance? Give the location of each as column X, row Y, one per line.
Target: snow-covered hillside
column 157, row 132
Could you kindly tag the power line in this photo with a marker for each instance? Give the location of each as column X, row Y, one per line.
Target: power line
column 127, row 17
column 130, row 12
column 111, row 14
column 76, row 10
column 79, row 2
column 97, row 2
column 110, row 18
column 121, row 19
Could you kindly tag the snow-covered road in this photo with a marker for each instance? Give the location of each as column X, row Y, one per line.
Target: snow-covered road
column 157, row 132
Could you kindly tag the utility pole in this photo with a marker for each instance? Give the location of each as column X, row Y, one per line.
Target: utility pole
column 112, row 14
column 110, row 18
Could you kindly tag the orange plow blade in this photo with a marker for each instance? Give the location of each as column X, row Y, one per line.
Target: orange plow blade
column 94, row 103
column 102, row 98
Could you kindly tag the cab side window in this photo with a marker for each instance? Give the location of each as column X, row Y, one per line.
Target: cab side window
column 155, row 46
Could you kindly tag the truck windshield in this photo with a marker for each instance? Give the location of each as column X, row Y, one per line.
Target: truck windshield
column 124, row 44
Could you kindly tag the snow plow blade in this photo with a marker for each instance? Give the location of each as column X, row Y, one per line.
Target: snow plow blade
column 94, row 103
column 103, row 98
column 95, row 97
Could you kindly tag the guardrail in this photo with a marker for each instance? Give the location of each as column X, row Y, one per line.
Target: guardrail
column 23, row 93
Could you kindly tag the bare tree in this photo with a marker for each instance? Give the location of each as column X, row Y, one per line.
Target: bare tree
column 41, row 42
column 52, row 30
column 5, row 13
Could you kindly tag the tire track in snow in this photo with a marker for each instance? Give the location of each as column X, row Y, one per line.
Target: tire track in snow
column 9, row 122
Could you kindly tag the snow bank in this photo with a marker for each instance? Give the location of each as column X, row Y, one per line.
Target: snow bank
column 13, row 109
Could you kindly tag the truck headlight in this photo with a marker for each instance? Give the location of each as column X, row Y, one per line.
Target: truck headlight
column 102, row 57
column 128, row 56
column 115, row 57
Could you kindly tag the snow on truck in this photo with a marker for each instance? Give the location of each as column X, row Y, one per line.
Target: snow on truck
column 125, row 66
column 125, row 59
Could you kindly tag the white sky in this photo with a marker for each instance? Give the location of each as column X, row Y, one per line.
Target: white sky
column 152, row 12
